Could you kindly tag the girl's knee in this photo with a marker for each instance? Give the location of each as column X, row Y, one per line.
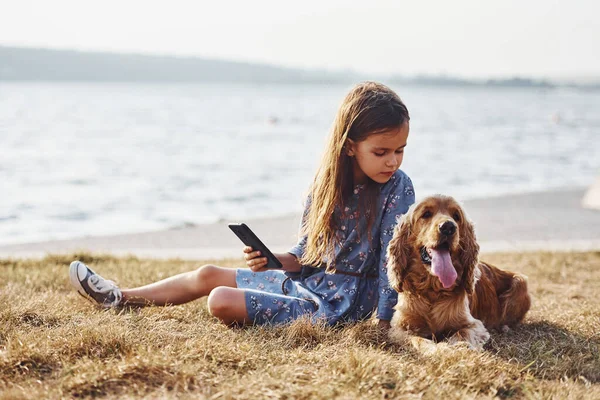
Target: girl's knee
column 206, row 272
column 228, row 304
column 210, row 276
column 219, row 301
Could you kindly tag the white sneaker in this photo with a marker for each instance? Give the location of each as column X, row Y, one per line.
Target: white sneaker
column 94, row 287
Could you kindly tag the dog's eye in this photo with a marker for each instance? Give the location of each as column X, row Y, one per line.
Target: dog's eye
column 456, row 217
column 426, row 214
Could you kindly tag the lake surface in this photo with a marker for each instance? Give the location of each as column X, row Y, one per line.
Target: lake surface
column 80, row 159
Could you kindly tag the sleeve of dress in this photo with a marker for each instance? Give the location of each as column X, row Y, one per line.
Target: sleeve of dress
column 299, row 248
column 396, row 204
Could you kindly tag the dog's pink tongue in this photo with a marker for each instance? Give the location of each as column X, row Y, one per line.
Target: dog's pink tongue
column 441, row 266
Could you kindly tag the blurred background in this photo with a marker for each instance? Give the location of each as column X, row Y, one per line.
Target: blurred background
column 120, row 117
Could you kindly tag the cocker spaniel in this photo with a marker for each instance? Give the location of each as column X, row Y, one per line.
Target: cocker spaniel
column 445, row 292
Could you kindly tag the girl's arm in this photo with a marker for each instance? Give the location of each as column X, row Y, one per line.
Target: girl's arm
column 289, row 261
column 397, row 203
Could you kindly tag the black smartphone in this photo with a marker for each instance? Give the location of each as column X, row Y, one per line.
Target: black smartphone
column 250, row 239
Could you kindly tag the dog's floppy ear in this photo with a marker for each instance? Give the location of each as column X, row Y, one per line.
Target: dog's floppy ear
column 398, row 253
column 469, row 255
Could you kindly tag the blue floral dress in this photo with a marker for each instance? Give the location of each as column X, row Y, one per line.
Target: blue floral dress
column 274, row 296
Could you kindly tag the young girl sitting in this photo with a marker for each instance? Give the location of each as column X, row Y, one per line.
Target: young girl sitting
column 337, row 271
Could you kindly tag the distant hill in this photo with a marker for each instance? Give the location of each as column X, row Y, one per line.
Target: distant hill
column 30, row 64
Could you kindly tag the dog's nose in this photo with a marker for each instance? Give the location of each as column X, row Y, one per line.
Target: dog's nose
column 448, row 228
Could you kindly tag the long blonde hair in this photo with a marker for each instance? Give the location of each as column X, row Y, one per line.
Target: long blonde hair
column 369, row 108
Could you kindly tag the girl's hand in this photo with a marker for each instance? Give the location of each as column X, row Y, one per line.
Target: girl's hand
column 253, row 259
column 384, row 325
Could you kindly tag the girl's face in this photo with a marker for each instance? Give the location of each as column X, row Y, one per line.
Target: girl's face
column 379, row 155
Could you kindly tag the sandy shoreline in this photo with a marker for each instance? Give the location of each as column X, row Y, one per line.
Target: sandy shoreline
column 550, row 220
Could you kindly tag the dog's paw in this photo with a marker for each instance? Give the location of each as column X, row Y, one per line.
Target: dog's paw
column 479, row 338
column 476, row 337
column 424, row 346
column 408, row 339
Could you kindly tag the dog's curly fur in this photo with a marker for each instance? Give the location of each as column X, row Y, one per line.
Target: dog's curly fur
column 482, row 296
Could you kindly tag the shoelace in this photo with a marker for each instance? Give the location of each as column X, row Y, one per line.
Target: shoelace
column 105, row 286
column 101, row 285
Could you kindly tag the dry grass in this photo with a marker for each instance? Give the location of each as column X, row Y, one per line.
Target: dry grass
column 55, row 344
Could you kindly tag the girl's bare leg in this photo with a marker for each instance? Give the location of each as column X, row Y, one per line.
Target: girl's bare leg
column 182, row 288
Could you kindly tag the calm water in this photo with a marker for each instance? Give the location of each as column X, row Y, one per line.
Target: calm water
column 90, row 159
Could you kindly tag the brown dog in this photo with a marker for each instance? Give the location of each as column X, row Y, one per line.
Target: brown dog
column 445, row 292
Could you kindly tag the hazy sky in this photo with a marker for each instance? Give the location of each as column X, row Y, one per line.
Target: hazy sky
column 470, row 38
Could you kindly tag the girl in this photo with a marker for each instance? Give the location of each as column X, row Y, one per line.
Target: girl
column 337, row 271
